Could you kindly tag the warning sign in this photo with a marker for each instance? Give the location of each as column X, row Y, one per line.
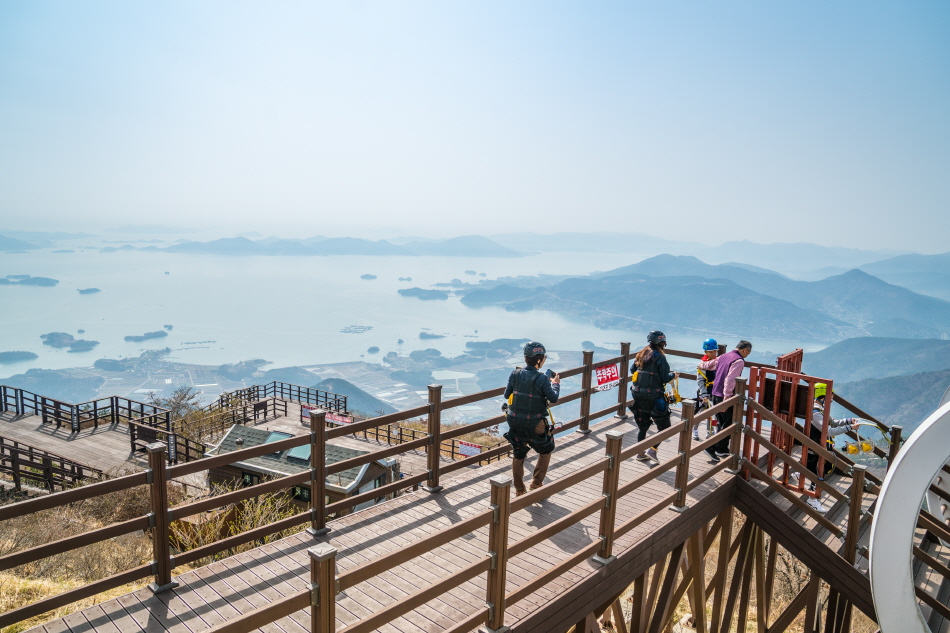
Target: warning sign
column 608, row 377
column 468, row 449
column 333, row 418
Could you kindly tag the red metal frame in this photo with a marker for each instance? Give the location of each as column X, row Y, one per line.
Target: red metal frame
column 758, row 385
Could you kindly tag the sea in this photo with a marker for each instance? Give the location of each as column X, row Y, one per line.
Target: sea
column 304, row 310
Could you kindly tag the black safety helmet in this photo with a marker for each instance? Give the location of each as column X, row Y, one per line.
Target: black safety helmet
column 656, row 337
column 533, row 349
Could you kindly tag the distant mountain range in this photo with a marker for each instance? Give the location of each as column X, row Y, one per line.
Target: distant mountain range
column 465, row 246
column 904, row 400
column 798, row 257
column 854, row 297
column 13, row 244
column 873, row 357
column 682, row 291
column 928, row 274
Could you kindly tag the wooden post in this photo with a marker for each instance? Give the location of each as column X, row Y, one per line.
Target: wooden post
column 811, row 606
column 498, row 550
column 609, row 514
column 585, row 393
column 719, row 582
column 322, row 588
column 855, row 502
column 434, row 447
column 158, row 488
column 636, row 611
column 624, row 376
column 896, row 432
column 48, row 473
column 696, row 558
column 761, row 600
column 318, row 473
column 738, row 417
column 682, row 469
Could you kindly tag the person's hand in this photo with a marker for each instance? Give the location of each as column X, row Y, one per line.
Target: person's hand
column 556, row 378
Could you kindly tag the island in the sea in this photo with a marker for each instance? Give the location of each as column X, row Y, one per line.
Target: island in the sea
column 430, row 335
column 367, row 276
column 26, row 280
column 424, row 295
column 62, row 339
column 88, row 291
column 16, row 357
column 148, row 335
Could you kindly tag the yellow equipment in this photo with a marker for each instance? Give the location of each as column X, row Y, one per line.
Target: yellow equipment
column 674, row 396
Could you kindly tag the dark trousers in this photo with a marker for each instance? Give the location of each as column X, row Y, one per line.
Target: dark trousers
column 725, row 421
column 647, row 413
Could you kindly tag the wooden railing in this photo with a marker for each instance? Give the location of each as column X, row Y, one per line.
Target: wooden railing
column 326, row 400
column 394, row 435
column 159, row 473
column 28, row 464
column 326, row 583
column 211, row 424
column 161, row 516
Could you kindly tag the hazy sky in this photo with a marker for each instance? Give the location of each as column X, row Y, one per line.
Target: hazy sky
column 775, row 121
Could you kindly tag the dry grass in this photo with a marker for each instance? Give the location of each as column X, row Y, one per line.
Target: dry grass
column 70, row 570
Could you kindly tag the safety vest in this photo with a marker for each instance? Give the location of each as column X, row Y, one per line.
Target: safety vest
column 527, row 403
column 647, row 383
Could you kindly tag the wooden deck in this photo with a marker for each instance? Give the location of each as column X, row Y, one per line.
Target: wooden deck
column 237, row 585
column 106, row 448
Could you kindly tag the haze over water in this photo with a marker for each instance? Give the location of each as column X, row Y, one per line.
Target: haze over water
column 287, row 310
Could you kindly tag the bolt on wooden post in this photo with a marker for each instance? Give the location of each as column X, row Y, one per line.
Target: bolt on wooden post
column 498, row 550
column 322, row 588
column 585, row 392
column 435, row 438
column 624, row 377
column 161, row 547
column 685, row 442
column 608, row 515
column 318, row 473
column 738, row 416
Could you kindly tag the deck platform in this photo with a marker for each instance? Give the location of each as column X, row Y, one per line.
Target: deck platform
column 223, row 590
column 106, row 448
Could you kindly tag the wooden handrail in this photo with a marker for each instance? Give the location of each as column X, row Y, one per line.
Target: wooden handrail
column 793, row 431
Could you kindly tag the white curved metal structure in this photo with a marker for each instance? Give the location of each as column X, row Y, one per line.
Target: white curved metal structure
column 892, row 532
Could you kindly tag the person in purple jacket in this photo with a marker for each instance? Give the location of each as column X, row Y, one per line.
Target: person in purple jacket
column 728, row 368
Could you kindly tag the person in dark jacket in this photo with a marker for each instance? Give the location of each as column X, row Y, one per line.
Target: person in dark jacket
column 649, row 406
column 528, row 394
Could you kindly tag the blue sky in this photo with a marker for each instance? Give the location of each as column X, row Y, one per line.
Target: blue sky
column 772, row 121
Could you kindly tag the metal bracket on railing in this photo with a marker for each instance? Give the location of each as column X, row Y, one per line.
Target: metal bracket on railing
column 149, row 476
column 682, row 457
column 491, row 610
column 154, row 567
column 151, row 519
column 494, row 560
column 496, row 513
column 607, row 497
column 610, row 462
column 314, row 595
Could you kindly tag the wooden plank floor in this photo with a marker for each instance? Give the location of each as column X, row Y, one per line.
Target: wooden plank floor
column 106, row 448
column 237, row 585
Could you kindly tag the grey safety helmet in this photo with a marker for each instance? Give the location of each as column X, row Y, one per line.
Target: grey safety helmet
column 533, row 349
column 656, row 337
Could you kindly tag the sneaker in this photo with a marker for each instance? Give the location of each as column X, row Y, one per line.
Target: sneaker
column 712, row 454
column 651, row 453
column 643, row 457
column 815, row 505
column 696, row 435
column 793, row 479
column 723, row 454
column 518, row 493
column 534, row 486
